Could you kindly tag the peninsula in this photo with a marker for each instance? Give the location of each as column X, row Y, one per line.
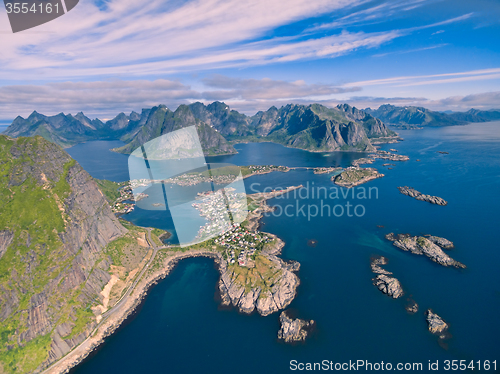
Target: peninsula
column 258, row 281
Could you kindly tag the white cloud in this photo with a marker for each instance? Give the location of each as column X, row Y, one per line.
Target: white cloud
column 103, row 99
column 374, row 14
column 403, row 81
column 483, row 101
column 227, row 88
column 106, row 98
column 133, row 38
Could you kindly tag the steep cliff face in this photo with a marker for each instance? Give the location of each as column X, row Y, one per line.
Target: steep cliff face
column 162, row 120
column 476, row 115
column 411, row 116
column 313, row 127
column 54, row 226
column 374, row 127
column 67, row 130
column 219, row 116
column 317, row 128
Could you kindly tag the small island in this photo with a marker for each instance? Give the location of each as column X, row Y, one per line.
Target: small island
column 354, row 176
column 436, row 324
column 423, row 246
column 325, row 170
column 383, row 281
column 224, row 174
column 384, row 155
column 408, row 191
column 293, row 330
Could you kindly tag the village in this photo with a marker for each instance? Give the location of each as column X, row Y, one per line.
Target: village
column 224, row 212
column 242, row 244
column 126, row 202
column 223, row 175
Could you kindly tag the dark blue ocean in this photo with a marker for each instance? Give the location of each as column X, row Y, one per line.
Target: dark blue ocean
column 180, row 329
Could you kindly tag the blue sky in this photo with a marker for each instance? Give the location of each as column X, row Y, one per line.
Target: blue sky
column 105, row 57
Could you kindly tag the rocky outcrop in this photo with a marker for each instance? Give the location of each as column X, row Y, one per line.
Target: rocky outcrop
column 354, row 176
column 411, row 306
column 293, row 330
column 275, row 297
column 162, row 120
column 384, row 155
column 435, row 323
column 6, row 237
column 383, row 281
column 442, row 242
column 423, row 246
column 388, row 285
column 408, row 191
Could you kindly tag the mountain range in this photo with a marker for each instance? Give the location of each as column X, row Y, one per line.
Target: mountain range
column 411, row 116
column 313, row 127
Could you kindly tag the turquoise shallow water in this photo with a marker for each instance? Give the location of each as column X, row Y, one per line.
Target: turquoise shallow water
column 180, row 329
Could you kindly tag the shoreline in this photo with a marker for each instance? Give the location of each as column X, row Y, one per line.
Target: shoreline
column 99, row 335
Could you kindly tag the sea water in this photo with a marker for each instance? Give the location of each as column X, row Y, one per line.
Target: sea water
column 180, row 328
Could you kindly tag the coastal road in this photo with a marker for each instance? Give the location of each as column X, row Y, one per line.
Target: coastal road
column 87, row 344
column 135, row 282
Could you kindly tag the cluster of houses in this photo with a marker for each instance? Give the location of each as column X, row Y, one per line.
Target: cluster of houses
column 216, row 208
column 241, row 242
column 258, row 169
column 120, row 206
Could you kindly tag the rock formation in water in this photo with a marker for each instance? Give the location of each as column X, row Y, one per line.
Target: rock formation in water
column 423, row 246
column 276, row 295
column 383, row 281
column 408, row 191
column 293, row 330
column 435, row 323
column 411, row 306
column 442, row 242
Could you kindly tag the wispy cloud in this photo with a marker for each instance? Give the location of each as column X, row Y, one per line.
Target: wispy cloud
column 103, row 99
column 127, row 38
column 106, row 98
column 484, row 101
column 130, row 37
column 410, row 50
column 430, row 79
column 370, row 15
column 227, row 88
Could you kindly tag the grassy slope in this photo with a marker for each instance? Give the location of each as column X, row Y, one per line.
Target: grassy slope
column 30, row 211
column 109, row 188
